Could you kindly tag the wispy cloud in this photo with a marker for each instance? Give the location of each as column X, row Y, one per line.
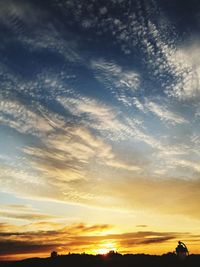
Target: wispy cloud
column 164, row 114
column 24, row 216
column 112, row 72
column 161, row 110
column 23, row 119
column 119, row 81
column 65, row 156
column 23, row 213
column 96, row 115
column 186, row 57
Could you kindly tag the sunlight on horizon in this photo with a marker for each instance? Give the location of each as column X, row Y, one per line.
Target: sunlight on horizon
column 105, row 248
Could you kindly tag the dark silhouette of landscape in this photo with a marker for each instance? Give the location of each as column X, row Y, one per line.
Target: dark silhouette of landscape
column 112, row 259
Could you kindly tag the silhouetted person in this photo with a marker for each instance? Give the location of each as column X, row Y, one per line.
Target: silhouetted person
column 181, row 250
column 54, row 254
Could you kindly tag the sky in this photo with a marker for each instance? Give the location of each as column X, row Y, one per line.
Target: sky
column 99, row 126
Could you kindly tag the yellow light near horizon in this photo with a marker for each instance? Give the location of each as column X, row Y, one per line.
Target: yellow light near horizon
column 104, row 248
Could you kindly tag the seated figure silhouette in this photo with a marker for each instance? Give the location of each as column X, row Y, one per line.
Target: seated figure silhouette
column 54, row 254
column 181, row 250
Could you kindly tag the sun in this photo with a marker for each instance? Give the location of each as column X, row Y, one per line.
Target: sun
column 102, row 251
column 104, row 248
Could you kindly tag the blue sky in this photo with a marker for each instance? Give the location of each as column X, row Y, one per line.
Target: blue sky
column 99, row 109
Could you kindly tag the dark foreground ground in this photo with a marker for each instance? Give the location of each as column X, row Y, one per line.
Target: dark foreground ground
column 107, row 261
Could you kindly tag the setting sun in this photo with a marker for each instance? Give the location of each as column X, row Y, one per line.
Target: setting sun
column 105, row 248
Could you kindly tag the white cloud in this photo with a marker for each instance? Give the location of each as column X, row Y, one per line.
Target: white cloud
column 138, row 104
column 109, row 123
column 187, row 60
column 113, row 73
column 98, row 116
column 195, row 166
column 18, row 116
column 164, row 114
column 24, row 119
column 66, row 156
column 118, row 80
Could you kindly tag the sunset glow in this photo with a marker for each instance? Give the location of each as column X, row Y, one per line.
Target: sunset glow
column 105, row 248
column 99, row 126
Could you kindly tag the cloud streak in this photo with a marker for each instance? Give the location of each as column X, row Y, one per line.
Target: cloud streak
column 73, row 238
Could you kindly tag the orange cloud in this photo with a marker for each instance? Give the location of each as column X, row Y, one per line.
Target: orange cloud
column 76, row 238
